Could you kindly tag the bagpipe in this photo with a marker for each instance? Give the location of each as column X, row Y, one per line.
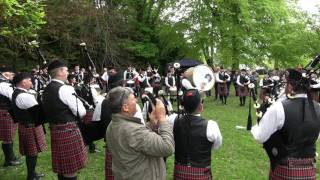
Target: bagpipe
column 91, row 68
column 42, row 82
column 311, row 67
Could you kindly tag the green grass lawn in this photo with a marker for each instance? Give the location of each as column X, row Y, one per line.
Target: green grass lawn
column 240, row 157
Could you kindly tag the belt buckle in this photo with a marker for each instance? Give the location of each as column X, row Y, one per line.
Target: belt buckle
column 189, row 164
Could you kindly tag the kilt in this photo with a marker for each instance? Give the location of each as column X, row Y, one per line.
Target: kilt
column 88, row 117
column 293, row 168
column 108, row 165
column 7, row 126
column 31, row 140
column 242, row 91
column 222, row 89
column 182, row 172
column 315, row 95
column 68, row 151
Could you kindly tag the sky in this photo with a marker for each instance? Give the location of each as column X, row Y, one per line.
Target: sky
column 309, row 5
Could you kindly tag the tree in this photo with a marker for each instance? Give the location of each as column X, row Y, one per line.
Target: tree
column 21, row 22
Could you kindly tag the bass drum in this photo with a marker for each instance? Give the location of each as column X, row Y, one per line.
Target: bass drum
column 201, row 77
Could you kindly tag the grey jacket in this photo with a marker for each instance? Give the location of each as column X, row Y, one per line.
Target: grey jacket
column 137, row 152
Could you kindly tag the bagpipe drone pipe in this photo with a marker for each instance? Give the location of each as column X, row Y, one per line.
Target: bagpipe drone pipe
column 91, row 68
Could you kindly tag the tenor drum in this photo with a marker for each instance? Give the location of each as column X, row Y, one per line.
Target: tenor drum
column 201, row 77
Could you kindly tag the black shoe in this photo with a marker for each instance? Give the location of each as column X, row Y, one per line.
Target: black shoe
column 15, row 162
column 36, row 176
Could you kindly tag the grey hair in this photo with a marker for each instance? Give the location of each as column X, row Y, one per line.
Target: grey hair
column 117, row 97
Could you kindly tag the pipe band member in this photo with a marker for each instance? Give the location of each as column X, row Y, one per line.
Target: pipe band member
column 194, row 140
column 28, row 113
column 62, row 110
column 289, row 130
column 7, row 126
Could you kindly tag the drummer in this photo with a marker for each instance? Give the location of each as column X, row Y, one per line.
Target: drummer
column 170, row 84
column 128, row 76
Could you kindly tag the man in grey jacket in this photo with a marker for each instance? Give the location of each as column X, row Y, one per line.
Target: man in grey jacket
column 137, row 150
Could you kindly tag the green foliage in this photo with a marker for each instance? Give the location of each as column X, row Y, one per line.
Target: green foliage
column 21, row 19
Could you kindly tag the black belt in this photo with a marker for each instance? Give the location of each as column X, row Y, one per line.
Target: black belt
column 190, row 164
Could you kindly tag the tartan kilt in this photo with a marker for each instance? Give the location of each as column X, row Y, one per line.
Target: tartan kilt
column 242, row 91
column 31, row 140
column 293, row 168
column 315, row 95
column 182, row 172
column 7, row 127
column 88, row 117
column 222, row 89
column 68, row 151
column 108, row 165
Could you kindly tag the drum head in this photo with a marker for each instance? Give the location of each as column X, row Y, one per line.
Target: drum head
column 203, row 77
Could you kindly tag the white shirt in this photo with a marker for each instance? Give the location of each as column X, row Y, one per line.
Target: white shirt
column 105, row 76
column 271, row 121
column 25, row 100
column 6, row 90
column 187, row 84
column 66, row 96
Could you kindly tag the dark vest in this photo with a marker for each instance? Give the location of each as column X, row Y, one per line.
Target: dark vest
column 22, row 115
column 243, row 79
column 129, row 75
column 299, row 133
column 191, row 144
column 55, row 110
column 143, row 84
column 5, row 102
column 223, row 77
column 170, row 80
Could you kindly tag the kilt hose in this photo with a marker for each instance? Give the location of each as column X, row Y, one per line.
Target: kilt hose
column 88, row 117
column 108, row 165
column 182, row 172
column 31, row 140
column 242, row 91
column 294, row 169
column 68, row 151
column 222, row 89
column 7, row 127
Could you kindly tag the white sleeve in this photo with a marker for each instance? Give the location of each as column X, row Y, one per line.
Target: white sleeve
column 238, row 81
column 26, row 101
column 229, row 77
column 261, row 83
column 6, row 90
column 166, row 82
column 187, row 84
column 97, row 111
column 173, row 81
column 271, row 121
column 315, row 86
column 66, row 96
column 218, row 78
column 214, row 134
column 139, row 115
column 125, row 75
